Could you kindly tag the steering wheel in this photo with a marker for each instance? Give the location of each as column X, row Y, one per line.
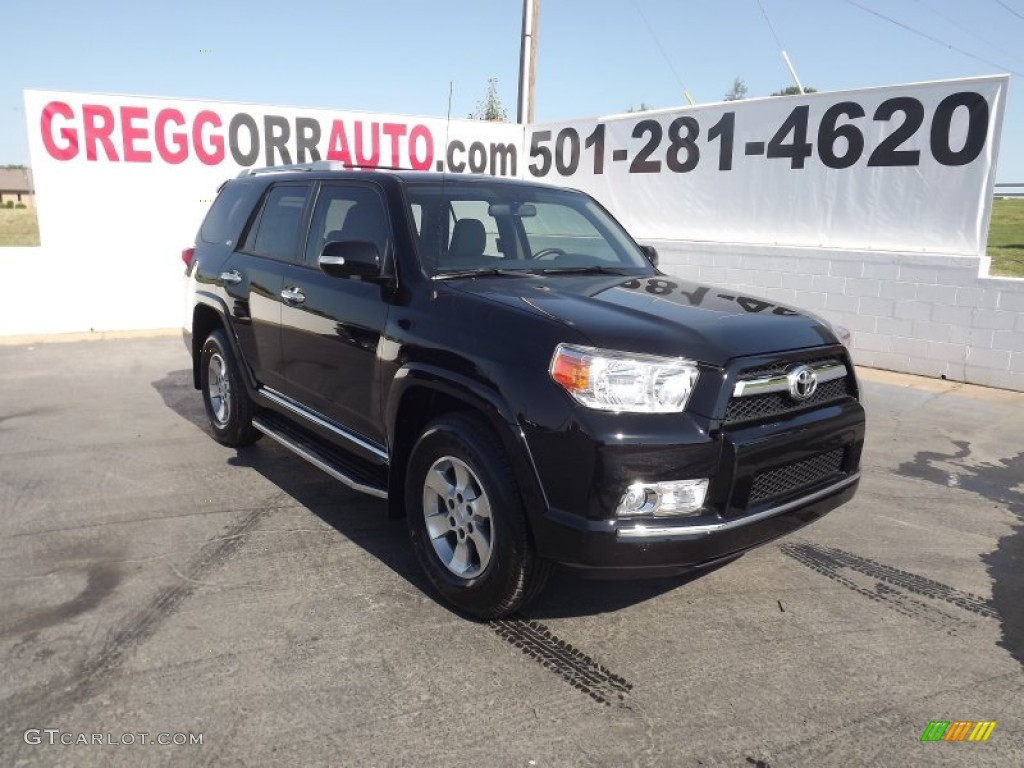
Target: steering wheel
column 548, row 253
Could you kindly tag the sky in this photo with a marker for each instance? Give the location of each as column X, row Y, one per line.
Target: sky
column 595, row 57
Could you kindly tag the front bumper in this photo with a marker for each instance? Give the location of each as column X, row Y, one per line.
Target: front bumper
column 748, row 503
column 624, row 549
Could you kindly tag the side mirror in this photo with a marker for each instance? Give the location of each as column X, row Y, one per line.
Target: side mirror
column 351, row 258
column 651, row 253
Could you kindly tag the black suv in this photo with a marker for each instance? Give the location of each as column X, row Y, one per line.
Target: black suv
column 503, row 363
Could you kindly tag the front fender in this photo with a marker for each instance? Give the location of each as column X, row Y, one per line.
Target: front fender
column 483, row 400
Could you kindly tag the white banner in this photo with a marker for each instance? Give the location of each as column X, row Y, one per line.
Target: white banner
column 903, row 168
column 123, row 182
column 152, row 165
column 898, row 168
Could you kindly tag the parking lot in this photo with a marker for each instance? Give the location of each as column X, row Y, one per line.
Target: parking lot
column 155, row 582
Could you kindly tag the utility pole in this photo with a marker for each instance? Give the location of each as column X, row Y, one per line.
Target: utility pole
column 792, row 71
column 528, row 61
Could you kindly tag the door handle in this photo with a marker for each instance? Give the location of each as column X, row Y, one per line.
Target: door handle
column 293, row 294
column 232, row 277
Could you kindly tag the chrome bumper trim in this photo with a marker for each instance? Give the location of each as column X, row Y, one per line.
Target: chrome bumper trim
column 750, row 387
column 642, row 531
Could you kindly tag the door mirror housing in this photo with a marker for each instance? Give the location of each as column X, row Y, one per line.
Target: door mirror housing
column 651, row 253
column 350, row 258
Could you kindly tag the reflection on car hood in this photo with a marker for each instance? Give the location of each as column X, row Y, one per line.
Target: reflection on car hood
column 659, row 315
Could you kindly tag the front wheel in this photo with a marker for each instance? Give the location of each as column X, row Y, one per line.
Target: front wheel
column 228, row 406
column 466, row 519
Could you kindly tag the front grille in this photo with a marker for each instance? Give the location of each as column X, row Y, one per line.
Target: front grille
column 767, row 404
column 774, row 403
column 779, row 367
column 796, row 476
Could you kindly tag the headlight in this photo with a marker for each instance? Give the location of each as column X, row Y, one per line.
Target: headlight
column 620, row 381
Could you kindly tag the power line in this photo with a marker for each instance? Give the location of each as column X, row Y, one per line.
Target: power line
column 770, row 25
column 926, row 36
column 782, row 50
column 1014, row 11
column 657, row 42
column 959, row 25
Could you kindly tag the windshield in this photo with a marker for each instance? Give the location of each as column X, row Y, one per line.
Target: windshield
column 468, row 227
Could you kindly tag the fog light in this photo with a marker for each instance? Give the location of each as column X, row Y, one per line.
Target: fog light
column 672, row 498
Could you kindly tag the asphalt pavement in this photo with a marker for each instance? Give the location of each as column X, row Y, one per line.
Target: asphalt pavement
column 157, row 586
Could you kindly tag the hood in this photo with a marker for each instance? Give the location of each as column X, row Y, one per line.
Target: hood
column 658, row 315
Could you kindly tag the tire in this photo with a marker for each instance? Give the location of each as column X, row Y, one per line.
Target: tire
column 228, row 406
column 466, row 519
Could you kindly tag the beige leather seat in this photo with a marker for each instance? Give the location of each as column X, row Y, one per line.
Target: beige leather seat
column 469, row 239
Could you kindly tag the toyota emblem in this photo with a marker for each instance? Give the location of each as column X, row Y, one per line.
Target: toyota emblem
column 803, row 382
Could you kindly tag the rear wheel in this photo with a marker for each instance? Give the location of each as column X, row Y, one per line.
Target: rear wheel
column 228, row 406
column 466, row 519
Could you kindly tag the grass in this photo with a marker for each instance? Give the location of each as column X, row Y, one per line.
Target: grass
column 1006, row 238
column 18, row 226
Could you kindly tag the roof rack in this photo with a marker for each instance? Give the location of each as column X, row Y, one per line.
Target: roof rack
column 319, row 165
column 316, row 165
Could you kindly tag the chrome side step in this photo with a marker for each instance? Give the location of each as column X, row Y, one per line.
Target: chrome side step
column 317, row 457
column 314, row 418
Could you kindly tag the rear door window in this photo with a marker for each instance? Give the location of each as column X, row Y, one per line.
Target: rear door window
column 277, row 232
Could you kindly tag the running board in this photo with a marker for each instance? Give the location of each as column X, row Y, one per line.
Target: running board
column 309, row 449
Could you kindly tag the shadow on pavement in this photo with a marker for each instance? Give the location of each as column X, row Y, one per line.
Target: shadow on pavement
column 998, row 483
column 364, row 521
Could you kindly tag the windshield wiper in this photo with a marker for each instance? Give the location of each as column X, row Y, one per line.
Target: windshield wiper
column 485, row 272
column 592, row 269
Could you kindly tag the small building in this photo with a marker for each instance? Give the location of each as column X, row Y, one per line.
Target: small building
column 16, row 186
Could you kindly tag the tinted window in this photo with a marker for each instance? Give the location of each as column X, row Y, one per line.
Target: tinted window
column 417, row 216
column 475, row 209
column 353, row 212
column 277, row 232
column 566, row 229
column 230, row 210
column 481, row 225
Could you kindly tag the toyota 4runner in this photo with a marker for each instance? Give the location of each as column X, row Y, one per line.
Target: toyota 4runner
column 507, row 366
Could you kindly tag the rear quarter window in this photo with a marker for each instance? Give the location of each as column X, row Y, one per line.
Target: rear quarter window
column 280, row 223
column 228, row 214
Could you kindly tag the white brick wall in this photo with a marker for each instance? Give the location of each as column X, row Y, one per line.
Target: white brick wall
column 916, row 313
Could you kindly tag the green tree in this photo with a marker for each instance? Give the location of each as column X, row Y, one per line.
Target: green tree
column 793, row 91
column 737, row 92
column 490, row 107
